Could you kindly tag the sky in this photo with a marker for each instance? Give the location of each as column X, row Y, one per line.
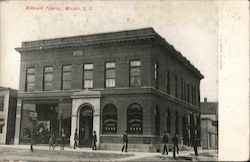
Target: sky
column 190, row 26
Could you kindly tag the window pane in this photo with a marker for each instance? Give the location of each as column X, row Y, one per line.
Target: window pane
column 31, row 78
column 67, row 68
column 135, row 71
column 67, row 76
column 109, row 123
column 157, row 121
column 135, row 81
column 30, row 86
column 48, row 77
column 66, row 84
column 48, row 86
column 110, row 82
column 31, row 70
column 110, row 65
column 110, row 73
column 135, row 63
column 88, row 83
column 88, row 66
column 168, row 121
column 135, row 119
column 48, row 69
column 88, row 75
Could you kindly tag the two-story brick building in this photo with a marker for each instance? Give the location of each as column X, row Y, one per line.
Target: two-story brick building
column 111, row 82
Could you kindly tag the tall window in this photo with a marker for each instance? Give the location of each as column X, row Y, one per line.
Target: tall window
column 1, row 103
column 157, row 121
column 88, row 75
column 185, row 91
column 176, row 122
column 109, row 120
column 30, row 79
column 176, row 86
column 182, row 90
column 66, row 77
column 156, row 75
column 168, row 115
column 135, row 73
column 192, row 94
column 195, row 96
column 47, row 78
column 188, row 94
column 135, row 119
column 110, row 74
column 198, row 99
column 168, row 81
column 192, row 128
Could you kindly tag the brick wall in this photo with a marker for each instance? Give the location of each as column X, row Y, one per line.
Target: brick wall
column 98, row 55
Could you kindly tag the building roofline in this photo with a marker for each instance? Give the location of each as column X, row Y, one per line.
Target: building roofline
column 108, row 37
column 147, row 29
column 7, row 88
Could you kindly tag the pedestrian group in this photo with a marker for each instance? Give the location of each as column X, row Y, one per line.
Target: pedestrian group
column 165, row 142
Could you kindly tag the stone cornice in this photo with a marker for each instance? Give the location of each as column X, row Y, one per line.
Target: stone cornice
column 43, row 47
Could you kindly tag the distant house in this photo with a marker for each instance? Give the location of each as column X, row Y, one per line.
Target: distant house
column 109, row 82
column 8, row 101
column 209, row 125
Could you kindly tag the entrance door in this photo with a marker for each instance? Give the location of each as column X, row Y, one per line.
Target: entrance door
column 85, row 126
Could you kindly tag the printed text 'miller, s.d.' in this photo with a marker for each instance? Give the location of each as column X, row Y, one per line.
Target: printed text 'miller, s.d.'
column 57, row 8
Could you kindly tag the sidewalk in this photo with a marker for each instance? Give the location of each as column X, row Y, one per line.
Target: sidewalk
column 129, row 155
column 108, row 155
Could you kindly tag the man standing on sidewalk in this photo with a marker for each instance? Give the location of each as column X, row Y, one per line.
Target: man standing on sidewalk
column 75, row 139
column 125, row 141
column 196, row 143
column 175, row 145
column 94, row 139
column 165, row 143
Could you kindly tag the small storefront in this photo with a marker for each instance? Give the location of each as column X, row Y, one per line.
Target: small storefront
column 51, row 118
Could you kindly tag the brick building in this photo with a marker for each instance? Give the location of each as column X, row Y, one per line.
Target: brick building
column 111, row 82
column 8, row 101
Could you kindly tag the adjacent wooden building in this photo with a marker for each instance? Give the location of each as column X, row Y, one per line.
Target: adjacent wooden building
column 8, row 103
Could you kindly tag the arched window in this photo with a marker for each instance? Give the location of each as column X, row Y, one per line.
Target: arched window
column 135, row 119
column 109, row 119
column 168, row 121
column 176, row 122
column 157, row 121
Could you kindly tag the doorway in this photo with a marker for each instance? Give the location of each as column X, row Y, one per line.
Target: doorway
column 85, row 126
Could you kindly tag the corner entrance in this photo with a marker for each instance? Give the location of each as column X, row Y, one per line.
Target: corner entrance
column 85, row 126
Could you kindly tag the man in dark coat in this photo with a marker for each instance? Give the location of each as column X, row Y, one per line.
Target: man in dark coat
column 175, row 145
column 125, row 142
column 165, row 143
column 196, row 142
column 94, row 139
